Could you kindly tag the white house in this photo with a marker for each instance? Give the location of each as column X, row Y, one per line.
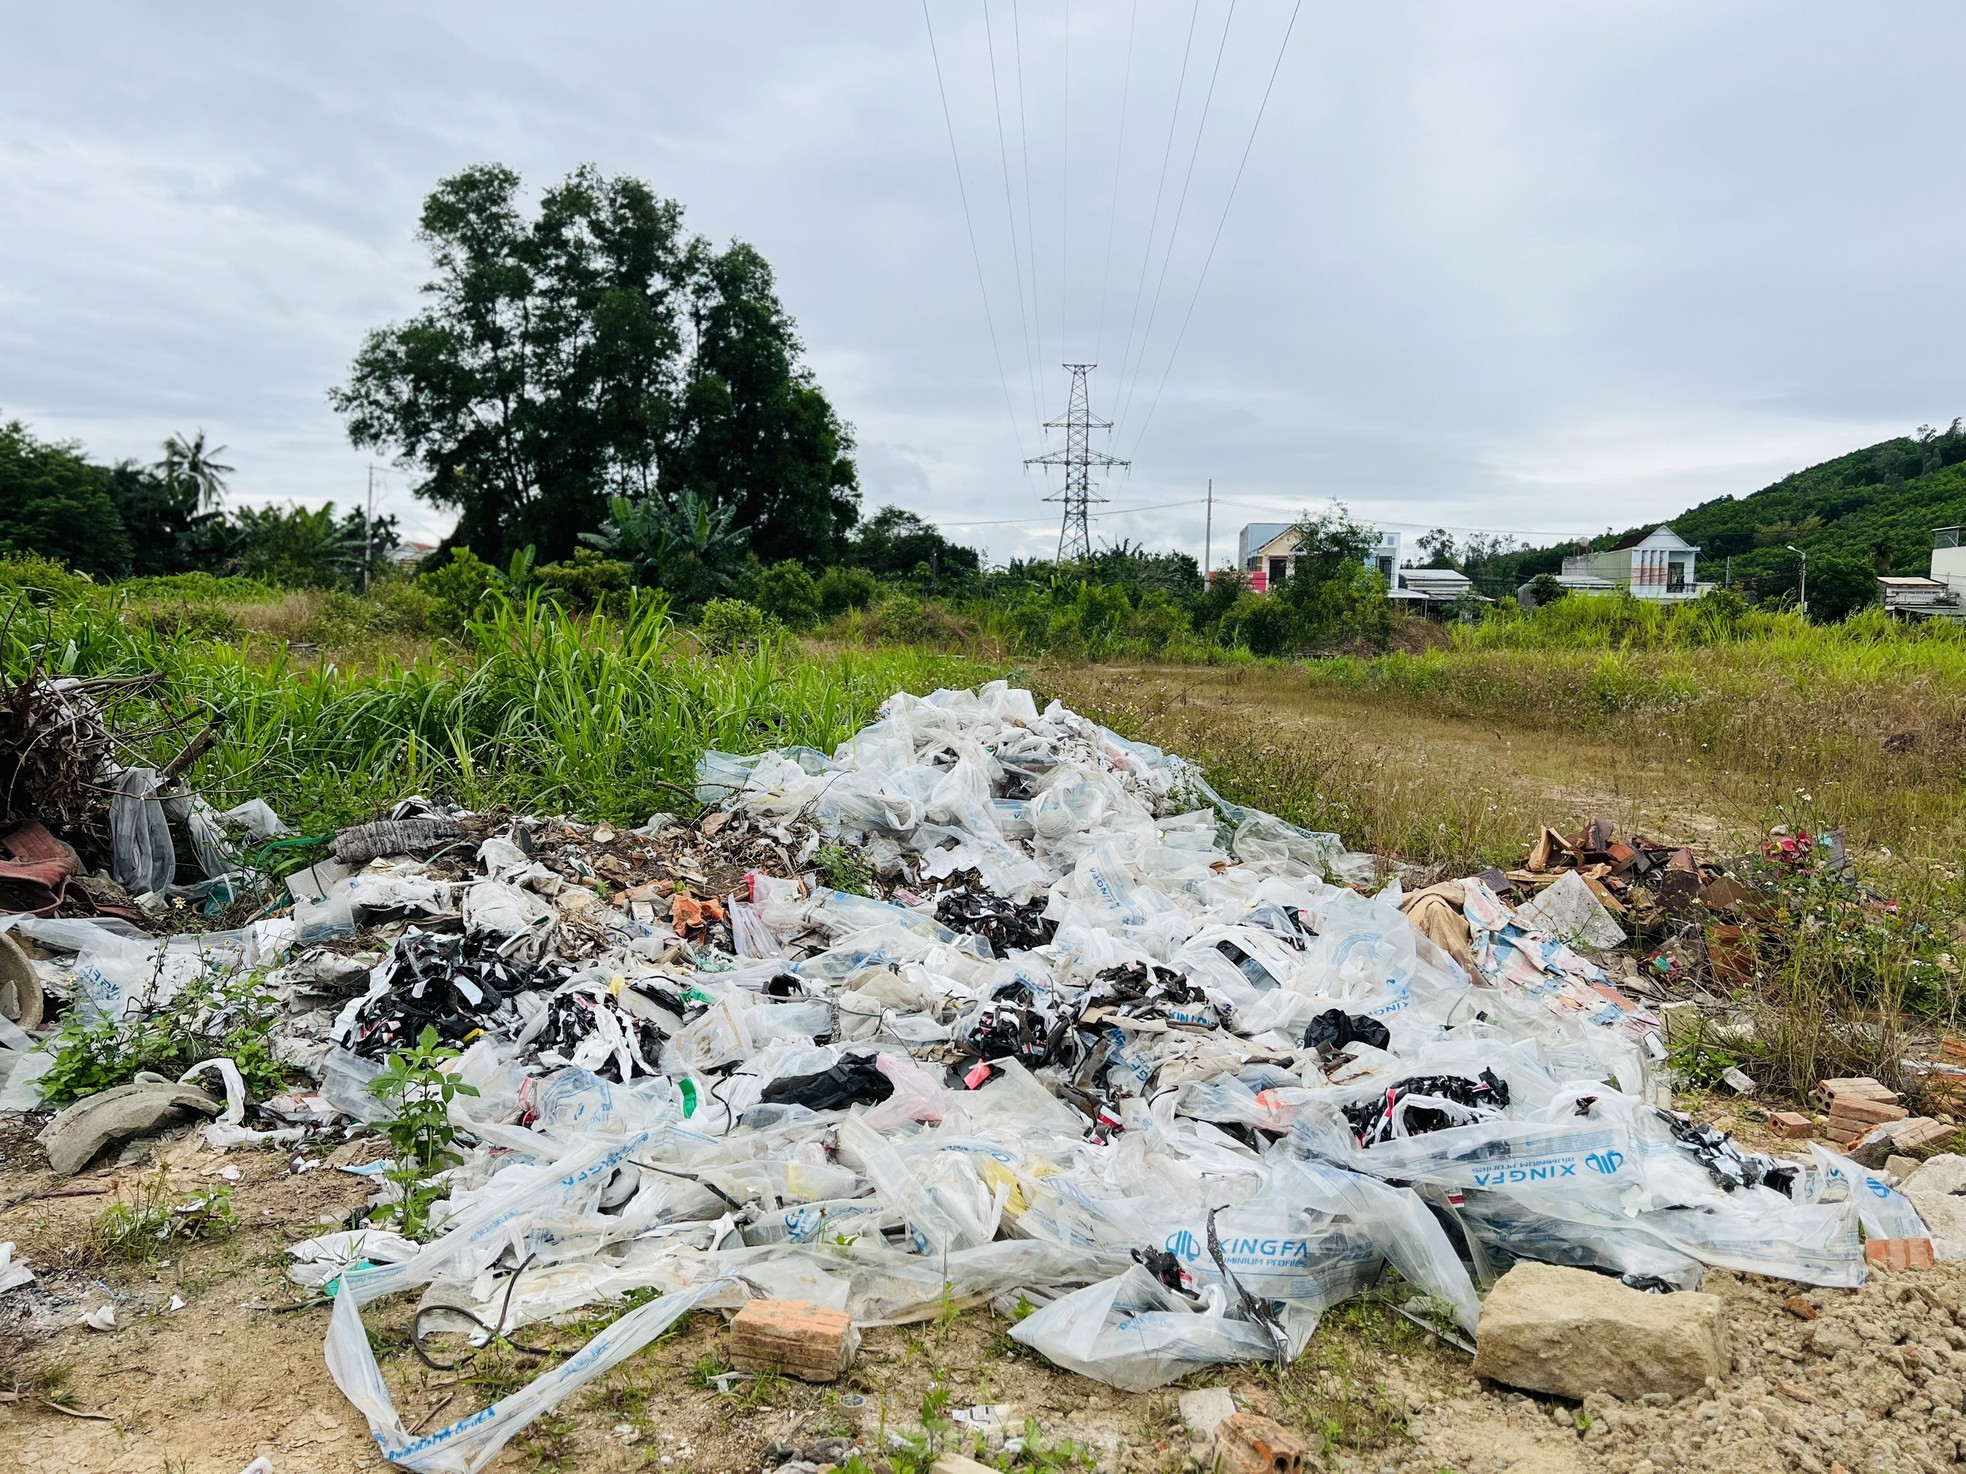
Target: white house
column 1267, row 552
column 1942, row 595
column 1649, row 565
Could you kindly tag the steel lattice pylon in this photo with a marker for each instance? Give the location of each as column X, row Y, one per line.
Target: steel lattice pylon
column 1078, row 458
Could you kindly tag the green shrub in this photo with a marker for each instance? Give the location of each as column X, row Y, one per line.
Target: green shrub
column 841, row 589
column 731, row 626
column 459, row 588
column 901, row 619
column 589, row 580
column 1259, row 624
column 789, row 594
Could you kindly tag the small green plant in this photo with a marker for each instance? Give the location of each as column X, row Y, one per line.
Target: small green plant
column 709, row 1366
column 212, row 1016
column 420, row 1095
column 1061, row 1457
column 151, row 1217
column 843, row 869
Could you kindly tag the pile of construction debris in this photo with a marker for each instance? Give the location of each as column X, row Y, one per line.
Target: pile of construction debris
column 1104, row 1043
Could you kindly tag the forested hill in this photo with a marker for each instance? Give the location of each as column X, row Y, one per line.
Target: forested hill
column 1877, row 505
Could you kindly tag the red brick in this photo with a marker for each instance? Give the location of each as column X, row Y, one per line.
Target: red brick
column 1870, row 1112
column 797, row 1337
column 1896, row 1254
column 1791, row 1123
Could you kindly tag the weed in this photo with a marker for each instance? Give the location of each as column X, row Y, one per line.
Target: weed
column 844, row 869
column 1333, row 1390
column 420, row 1130
column 549, row 1438
column 211, row 1016
column 709, row 1366
column 150, row 1217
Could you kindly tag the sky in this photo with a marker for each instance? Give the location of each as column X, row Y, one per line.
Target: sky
column 1512, row 267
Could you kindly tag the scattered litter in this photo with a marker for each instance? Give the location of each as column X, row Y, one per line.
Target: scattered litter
column 102, row 1318
column 1100, row 1040
column 13, row 1272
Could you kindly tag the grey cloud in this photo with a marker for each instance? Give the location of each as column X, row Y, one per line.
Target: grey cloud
column 1521, row 265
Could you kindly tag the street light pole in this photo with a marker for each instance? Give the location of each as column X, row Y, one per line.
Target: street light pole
column 1802, row 597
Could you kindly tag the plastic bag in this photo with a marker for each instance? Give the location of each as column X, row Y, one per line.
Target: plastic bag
column 142, row 858
column 475, row 1440
column 1134, row 1333
column 1884, row 1212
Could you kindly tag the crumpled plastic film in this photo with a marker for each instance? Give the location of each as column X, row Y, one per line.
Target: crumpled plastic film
column 1103, row 1038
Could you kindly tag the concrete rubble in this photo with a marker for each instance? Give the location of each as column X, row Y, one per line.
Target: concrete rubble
column 1572, row 1333
column 1172, row 1072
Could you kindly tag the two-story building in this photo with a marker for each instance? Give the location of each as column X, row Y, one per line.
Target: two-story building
column 1648, row 565
column 1267, row 552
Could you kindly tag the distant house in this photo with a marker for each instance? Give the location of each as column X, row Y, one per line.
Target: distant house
column 1648, row 565
column 1430, row 590
column 1267, row 552
column 1942, row 595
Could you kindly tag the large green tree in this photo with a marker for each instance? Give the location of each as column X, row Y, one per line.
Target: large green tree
column 59, row 505
column 754, row 429
column 592, row 349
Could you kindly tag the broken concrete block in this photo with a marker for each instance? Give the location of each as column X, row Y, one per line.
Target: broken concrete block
column 1249, row 1443
column 1204, row 1410
column 1896, row 1254
column 1791, row 1124
column 1914, row 1134
column 796, row 1337
column 77, row 1133
column 1571, row 1332
column 1938, row 1191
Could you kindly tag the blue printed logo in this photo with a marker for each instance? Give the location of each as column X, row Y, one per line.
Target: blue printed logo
column 1182, row 1245
column 1605, row 1162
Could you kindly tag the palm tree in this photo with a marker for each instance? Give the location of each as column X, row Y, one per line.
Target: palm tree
column 193, row 465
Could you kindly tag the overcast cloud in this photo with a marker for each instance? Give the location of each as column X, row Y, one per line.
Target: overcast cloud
column 1542, row 267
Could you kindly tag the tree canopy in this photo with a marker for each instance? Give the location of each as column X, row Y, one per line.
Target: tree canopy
column 595, row 350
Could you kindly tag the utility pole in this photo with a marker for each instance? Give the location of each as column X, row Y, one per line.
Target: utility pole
column 1208, row 536
column 368, row 531
column 1802, row 595
column 1078, row 458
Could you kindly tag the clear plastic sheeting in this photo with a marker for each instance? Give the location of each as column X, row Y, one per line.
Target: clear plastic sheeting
column 1147, row 1123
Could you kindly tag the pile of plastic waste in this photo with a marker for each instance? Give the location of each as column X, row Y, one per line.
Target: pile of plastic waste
column 1109, row 1044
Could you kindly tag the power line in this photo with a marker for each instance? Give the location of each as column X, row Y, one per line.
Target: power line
column 1065, row 196
column 1110, row 511
column 1113, row 210
column 1030, row 216
column 1010, row 215
column 1153, row 222
column 1405, row 526
column 975, row 255
column 1219, row 224
column 1180, row 208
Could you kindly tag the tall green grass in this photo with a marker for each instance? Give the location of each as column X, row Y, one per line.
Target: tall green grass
column 602, row 717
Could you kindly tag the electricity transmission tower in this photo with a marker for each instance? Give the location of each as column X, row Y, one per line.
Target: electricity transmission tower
column 1078, row 458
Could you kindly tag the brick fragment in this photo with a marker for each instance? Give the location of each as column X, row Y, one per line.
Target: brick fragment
column 1893, row 1255
column 796, row 1337
column 1800, row 1306
column 1791, row 1123
column 1250, row 1443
